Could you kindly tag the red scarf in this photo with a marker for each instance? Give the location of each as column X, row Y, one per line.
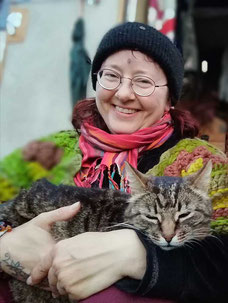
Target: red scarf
column 103, row 151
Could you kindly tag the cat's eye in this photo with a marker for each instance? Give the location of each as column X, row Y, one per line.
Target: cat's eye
column 152, row 217
column 184, row 215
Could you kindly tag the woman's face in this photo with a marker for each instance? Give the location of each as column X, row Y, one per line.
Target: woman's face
column 124, row 111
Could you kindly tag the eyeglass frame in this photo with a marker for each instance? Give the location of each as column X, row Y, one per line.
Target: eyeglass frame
column 120, row 77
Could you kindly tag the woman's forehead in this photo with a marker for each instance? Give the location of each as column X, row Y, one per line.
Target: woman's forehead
column 128, row 58
column 131, row 54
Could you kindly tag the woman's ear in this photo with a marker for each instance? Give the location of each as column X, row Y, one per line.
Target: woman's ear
column 168, row 104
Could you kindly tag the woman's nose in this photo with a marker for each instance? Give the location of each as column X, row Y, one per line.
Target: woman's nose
column 125, row 91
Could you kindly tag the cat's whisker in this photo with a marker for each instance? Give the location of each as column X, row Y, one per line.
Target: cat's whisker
column 117, row 224
column 200, row 229
column 199, row 238
column 188, row 244
column 200, row 235
column 123, row 224
column 194, row 241
column 218, row 240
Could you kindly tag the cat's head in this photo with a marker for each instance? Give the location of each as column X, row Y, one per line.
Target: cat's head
column 170, row 210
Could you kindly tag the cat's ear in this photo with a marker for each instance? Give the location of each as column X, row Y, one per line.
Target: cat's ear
column 137, row 180
column 202, row 178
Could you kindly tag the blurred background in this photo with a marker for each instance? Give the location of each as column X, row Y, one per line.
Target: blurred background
column 46, row 47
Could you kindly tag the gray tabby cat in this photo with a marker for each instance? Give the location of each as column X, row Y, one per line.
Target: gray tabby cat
column 171, row 211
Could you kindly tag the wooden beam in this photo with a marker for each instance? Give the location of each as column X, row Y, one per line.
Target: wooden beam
column 142, row 11
column 122, row 11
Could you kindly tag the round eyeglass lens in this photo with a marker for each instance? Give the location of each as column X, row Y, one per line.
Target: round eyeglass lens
column 108, row 79
column 143, row 85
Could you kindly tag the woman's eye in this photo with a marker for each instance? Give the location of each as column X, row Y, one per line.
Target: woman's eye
column 111, row 76
column 142, row 82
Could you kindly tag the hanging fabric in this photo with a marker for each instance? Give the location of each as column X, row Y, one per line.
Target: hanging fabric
column 4, row 12
column 80, row 63
column 190, row 48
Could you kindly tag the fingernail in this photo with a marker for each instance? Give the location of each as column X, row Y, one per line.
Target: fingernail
column 29, row 281
column 75, row 205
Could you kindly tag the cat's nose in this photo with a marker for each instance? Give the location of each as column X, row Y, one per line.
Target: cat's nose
column 169, row 237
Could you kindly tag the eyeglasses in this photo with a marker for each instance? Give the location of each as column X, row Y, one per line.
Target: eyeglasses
column 141, row 85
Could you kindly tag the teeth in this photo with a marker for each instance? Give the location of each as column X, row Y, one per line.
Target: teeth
column 126, row 110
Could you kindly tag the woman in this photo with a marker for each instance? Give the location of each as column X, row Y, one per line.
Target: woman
column 137, row 74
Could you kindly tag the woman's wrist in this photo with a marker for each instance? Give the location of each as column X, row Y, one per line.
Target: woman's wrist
column 4, row 227
column 133, row 254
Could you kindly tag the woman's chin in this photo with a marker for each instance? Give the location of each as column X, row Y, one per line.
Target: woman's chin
column 119, row 128
column 118, row 124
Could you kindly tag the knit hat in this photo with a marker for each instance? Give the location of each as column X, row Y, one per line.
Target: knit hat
column 146, row 39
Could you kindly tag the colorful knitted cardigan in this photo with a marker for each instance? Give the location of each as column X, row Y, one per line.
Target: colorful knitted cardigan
column 185, row 158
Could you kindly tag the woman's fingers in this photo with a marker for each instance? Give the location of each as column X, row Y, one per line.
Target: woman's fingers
column 40, row 271
column 45, row 220
column 61, row 289
column 56, row 287
column 52, row 279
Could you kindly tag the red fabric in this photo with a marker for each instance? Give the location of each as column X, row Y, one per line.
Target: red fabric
column 5, row 295
column 115, row 149
column 114, row 295
column 168, row 26
column 110, row 295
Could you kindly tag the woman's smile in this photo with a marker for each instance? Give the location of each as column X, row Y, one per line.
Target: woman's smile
column 125, row 110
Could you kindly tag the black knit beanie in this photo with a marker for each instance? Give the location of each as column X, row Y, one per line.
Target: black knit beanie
column 146, row 39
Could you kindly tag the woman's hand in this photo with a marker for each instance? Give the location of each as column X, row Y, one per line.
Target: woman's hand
column 23, row 247
column 90, row 262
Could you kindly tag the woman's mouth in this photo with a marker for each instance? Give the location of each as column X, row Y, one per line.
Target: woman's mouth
column 125, row 110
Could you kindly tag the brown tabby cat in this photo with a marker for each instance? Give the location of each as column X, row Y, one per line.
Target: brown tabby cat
column 171, row 211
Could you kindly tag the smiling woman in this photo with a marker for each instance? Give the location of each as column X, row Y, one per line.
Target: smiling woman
column 137, row 74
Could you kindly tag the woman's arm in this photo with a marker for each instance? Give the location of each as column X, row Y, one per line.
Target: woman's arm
column 24, row 246
column 90, row 262
column 196, row 273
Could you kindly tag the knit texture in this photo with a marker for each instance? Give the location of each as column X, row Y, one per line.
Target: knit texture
column 187, row 157
column 146, row 39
